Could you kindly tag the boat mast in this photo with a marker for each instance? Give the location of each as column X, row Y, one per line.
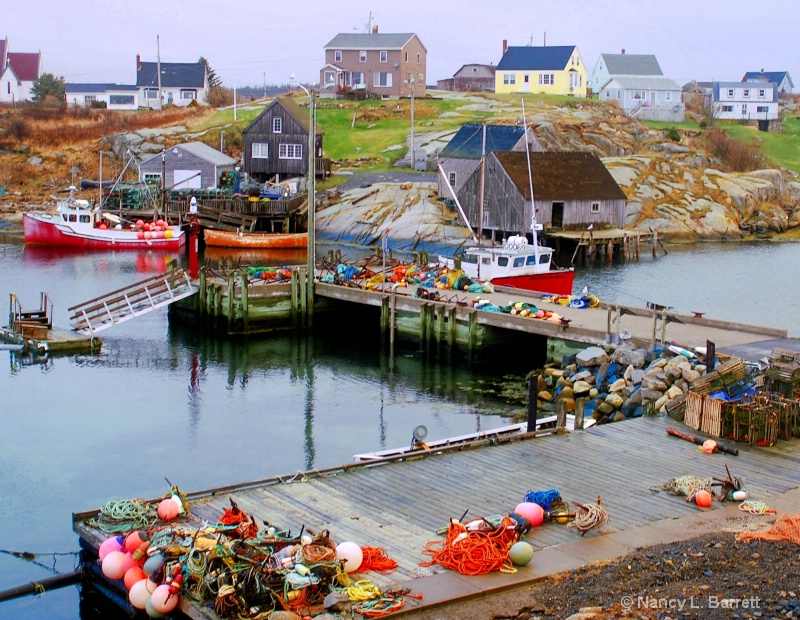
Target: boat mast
column 530, row 182
column 483, row 180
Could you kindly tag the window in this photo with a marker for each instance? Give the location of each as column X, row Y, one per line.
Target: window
column 544, row 259
column 727, row 108
column 452, row 179
column 502, row 261
column 547, row 79
column 519, row 261
column 410, row 79
column 595, row 207
column 730, row 93
column 362, row 56
column 121, row 99
column 762, row 109
column 260, row 150
column 746, row 93
column 419, row 58
column 762, row 93
column 384, row 56
column 290, row 151
column 152, row 178
column 188, row 94
column 357, row 79
column 509, row 78
column 151, row 93
column 420, row 79
column 474, row 69
column 406, row 56
column 277, row 125
column 531, row 260
column 337, row 56
column 89, row 98
column 84, row 219
column 744, row 109
column 329, row 77
column 382, row 79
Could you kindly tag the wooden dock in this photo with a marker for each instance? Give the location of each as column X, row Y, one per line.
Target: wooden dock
column 401, row 504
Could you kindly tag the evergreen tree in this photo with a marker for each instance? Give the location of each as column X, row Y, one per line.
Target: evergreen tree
column 48, row 85
column 213, row 78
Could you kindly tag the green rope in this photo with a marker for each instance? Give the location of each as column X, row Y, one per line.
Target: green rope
column 125, row 515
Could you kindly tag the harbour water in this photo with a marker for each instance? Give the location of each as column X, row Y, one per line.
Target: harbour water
column 166, row 402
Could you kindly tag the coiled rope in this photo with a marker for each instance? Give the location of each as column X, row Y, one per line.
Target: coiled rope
column 756, row 507
column 376, row 558
column 125, row 515
column 687, row 485
column 474, row 552
column 589, row 516
column 379, row 606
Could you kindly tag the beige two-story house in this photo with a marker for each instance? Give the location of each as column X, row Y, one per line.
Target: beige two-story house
column 383, row 66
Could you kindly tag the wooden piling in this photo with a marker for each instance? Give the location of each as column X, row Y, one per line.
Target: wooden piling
column 245, row 301
column 451, row 327
column 229, row 311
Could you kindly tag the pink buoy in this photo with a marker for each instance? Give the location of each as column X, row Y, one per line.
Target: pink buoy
column 132, row 542
column 147, row 234
column 146, row 227
column 139, row 594
column 139, row 223
column 110, row 544
column 161, row 223
column 114, row 565
column 162, row 600
column 531, row 511
column 351, row 554
column 167, row 510
column 140, row 235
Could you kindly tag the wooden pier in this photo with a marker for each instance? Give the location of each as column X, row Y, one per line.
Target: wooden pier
column 399, row 505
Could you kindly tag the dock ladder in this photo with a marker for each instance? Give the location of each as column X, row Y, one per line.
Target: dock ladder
column 131, row 301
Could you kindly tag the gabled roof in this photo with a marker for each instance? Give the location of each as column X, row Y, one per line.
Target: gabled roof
column 292, row 107
column 25, row 65
column 96, row 88
column 561, row 176
column 203, row 151
column 468, row 141
column 370, row 41
column 536, row 58
column 768, row 76
column 631, row 64
column 644, row 83
column 716, row 87
column 476, row 70
column 173, row 75
column 3, row 50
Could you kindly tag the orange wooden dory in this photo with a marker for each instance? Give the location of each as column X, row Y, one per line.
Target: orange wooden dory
column 235, row 239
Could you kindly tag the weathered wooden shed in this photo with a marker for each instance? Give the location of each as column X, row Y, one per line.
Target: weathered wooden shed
column 276, row 142
column 571, row 191
column 192, row 165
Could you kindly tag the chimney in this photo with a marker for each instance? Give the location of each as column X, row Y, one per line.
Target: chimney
column 374, row 30
column 623, row 50
column 138, row 63
column 505, row 45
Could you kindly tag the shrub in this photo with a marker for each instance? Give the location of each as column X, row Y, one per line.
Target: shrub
column 673, row 134
column 19, row 129
column 734, row 154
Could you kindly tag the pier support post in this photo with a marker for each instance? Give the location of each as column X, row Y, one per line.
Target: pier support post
column 451, row 327
column 473, row 332
column 533, row 394
column 245, row 301
column 203, row 292
column 580, row 403
column 295, row 294
column 229, row 313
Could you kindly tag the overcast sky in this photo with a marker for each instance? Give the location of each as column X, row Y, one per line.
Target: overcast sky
column 248, row 42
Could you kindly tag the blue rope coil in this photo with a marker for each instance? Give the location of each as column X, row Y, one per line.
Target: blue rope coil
column 543, row 498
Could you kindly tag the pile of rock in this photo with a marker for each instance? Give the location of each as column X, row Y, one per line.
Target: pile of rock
column 623, row 384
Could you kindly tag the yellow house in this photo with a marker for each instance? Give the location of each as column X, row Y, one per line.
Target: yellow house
column 556, row 70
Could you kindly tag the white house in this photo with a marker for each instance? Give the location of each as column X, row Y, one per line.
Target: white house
column 18, row 72
column 171, row 83
column 781, row 78
column 115, row 96
column 646, row 98
column 745, row 101
column 623, row 65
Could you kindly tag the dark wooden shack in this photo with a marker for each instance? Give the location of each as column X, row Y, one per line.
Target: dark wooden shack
column 571, row 191
column 276, row 142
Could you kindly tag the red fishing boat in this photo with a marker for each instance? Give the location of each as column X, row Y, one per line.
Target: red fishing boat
column 79, row 224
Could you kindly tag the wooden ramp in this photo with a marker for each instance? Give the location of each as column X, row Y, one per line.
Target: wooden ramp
column 131, row 301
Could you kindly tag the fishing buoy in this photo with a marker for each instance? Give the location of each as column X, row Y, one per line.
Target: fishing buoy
column 139, row 594
column 352, row 556
column 738, row 496
column 139, row 223
column 162, row 600
column 709, row 446
column 154, row 563
column 168, row 234
column 521, row 553
column 145, row 226
column 110, row 544
column 133, row 541
column 167, row 510
column 702, row 498
column 116, row 564
column 134, row 575
column 140, row 235
column 531, row 511
column 152, row 611
column 147, row 234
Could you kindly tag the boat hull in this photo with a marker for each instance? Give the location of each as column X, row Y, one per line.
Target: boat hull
column 48, row 230
column 233, row 239
column 556, row 282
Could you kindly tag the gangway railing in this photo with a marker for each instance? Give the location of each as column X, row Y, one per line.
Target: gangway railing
column 131, row 301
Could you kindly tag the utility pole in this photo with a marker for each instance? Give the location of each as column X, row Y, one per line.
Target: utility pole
column 158, row 70
column 413, row 158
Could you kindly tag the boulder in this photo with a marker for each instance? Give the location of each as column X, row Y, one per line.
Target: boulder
column 567, row 392
column 628, row 357
column 673, row 392
column 581, row 388
column 584, row 375
column 690, row 375
column 615, row 400
column 617, row 386
column 618, row 417
column 637, row 376
column 605, row 409
column 655, row 381
column 659, row 404
column 591, row 356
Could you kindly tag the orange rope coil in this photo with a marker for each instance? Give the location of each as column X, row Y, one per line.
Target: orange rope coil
column 474, row 552
column 376, row 558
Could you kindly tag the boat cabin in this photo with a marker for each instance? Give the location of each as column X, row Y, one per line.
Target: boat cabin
column 77, row 210
column 515, row 257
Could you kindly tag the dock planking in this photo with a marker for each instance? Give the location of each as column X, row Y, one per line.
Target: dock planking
column 399, row 505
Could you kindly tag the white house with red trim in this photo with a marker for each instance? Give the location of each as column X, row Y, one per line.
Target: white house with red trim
column 18, row 72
